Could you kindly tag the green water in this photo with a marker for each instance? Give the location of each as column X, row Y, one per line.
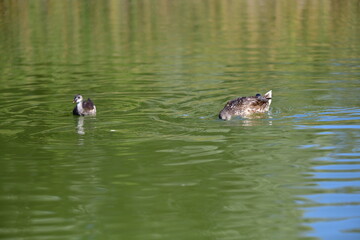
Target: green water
column 155, row 162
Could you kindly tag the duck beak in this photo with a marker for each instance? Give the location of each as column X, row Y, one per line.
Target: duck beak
column 73, row 101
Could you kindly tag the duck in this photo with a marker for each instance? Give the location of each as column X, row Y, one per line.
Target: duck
column 246, row 106
column 83, row 107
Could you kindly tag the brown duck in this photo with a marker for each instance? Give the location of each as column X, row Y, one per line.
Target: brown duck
column 82, row 107
column 246, row 106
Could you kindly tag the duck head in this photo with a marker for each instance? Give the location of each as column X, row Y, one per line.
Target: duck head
column 78, row 99
column 225, row 114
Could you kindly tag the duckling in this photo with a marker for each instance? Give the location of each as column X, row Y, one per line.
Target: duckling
column 245, row 106
column 83, row 108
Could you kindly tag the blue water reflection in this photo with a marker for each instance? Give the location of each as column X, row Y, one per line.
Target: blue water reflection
column 333, row 210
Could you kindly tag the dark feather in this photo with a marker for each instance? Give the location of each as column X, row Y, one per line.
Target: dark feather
column 88, row 105
column 246, row 103
column 75, row 111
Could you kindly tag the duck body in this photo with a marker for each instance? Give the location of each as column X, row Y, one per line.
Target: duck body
column 83, row 107
column 246, row 106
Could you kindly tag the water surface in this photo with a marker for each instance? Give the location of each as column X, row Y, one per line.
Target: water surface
column 155, row 162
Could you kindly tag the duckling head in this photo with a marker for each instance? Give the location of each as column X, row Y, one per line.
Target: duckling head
column 78, row 99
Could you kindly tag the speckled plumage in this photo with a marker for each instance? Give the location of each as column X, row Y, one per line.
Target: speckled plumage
column 82, row 107
column 246, row 106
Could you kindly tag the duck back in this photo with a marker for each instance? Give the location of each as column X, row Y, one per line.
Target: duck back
column 88, row 105
column 246, row 106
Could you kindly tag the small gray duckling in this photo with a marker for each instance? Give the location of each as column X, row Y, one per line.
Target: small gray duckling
column 245, row 106
column 82, row 107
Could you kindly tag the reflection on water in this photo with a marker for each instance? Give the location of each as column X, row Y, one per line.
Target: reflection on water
column 334, row 180
column 156, row 163
column 80, row 126
column 249, row 123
